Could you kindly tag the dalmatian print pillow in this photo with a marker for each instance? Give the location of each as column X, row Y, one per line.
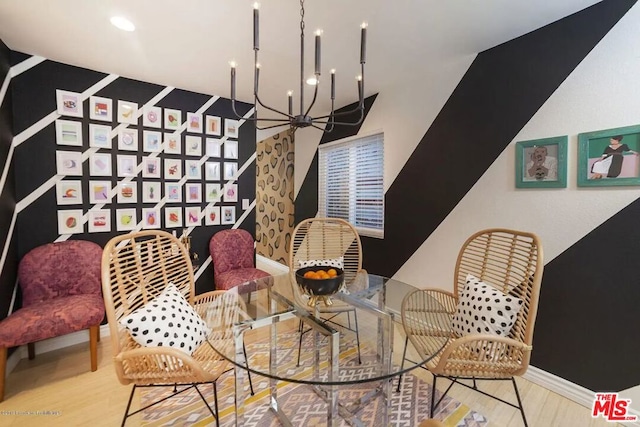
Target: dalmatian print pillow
column 168, row 320
column 334, row 262
column 483, row 309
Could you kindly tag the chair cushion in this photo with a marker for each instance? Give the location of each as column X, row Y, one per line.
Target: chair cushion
column 333, row 262
column 231, row 278
column 51, row 318
column 483, row 309
column 167, row 320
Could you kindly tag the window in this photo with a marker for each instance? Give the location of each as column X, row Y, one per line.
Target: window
column 351, row 184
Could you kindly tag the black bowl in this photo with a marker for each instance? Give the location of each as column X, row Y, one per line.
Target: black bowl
column 319, row 286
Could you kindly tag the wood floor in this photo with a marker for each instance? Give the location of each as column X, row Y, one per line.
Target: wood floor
column 58, row 389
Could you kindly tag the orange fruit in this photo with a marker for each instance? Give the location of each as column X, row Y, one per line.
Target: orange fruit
column 322, row 274
column 308, row 274
column 332, row 272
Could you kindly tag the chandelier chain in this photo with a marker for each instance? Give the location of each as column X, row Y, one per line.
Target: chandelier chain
column 302, row 17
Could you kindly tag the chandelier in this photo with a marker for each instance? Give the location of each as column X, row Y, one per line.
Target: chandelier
column 302, row 119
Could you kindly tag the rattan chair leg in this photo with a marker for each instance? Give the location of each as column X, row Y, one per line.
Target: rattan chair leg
column 404, row 354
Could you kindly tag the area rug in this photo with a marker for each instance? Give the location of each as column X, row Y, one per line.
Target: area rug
column 301, row 404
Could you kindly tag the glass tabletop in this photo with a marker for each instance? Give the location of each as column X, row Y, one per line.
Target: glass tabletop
column 266, row 329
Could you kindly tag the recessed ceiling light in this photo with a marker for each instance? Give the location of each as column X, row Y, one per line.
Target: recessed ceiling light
column 122, row 23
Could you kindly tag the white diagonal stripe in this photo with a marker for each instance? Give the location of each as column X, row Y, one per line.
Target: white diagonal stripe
column 5, row 86
column 26, row 64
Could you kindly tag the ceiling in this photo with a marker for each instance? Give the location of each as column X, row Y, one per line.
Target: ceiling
column 189, row 44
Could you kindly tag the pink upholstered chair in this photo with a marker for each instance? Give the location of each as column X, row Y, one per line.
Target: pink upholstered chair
column 61, row 293
column 232, row 253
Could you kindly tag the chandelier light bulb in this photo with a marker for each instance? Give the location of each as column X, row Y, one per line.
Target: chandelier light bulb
column 233, row 64
column 312, row 81
column 256, row 5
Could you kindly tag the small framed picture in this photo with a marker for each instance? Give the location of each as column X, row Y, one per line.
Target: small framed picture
column 127, row 165
column 213, row 125
column 192, row 216
column 126, row 219
column 69, row 133
column 194, row 122
column 151, row 167
column 128, row 192
column 193, row 169
column 100, row 164
column 70, row 222
column 231, row 149
column 172, row 192
column 228, row 215
column 152, row 117
column 193, row 145
column 128, row 139
column 100, row 109
column 151, row 192
column 172, row 143
column 212, row 215
column 172, row 217
column 193, row 192
column 150, row 218
column 212, row 171
column 69, row 163
column 99, row 192
column 230, row 193
column 172, row 169
column 152, row 141
column 69, row 103
column 231, row 128
column 172, row 119
column 609, row 157
column 542, row 163
column 213, row 147
column 99, row 221
column 212, row 193
column 230, row 170
column 69, row 192
column 127, row 112
column 99, row 136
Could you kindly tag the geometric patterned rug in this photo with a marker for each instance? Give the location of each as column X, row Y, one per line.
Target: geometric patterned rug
column 302, row 405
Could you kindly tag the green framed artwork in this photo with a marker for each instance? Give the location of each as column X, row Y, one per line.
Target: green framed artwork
column 609, row 157
column 542, row 163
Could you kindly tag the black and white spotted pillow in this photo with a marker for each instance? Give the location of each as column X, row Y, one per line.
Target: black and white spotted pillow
column 168, row 320
column 483, row 309
column 333, row 262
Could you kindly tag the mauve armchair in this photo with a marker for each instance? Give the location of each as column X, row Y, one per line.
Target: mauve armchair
column 232, row 254
column 61, row 293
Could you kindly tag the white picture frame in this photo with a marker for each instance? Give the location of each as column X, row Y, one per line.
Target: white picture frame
column 193, row 170
column 230, row 170
column 126, row 219
column 100, row 108
column 212, row 215
column 230, row 149
column 151, row 141
column 100, row 164
column 212, row 171
column 152, row 117
column 172, row 143
column 68, row 103
column 194, row 122
column 99, row 221
column 99, row 192
column 127, row 165
column 231, row 128
column 230, row 193
column 213, row 147
column 213, row 125
column 69, row 132
column 151, row 167
column 151, row 192
column 69, row 192
column 213, row 193
column 128, row 139
column 172, row 192
column 193, row 145
column 172, row 169
column 100, row 136
column 227, row 215
column 70, row 222
column 172, row 119
column 172, row 217
column 127, row 192
column 127, row 112
column 69, row 163
column 192, row 216
column 151, row 218
column 193, row 192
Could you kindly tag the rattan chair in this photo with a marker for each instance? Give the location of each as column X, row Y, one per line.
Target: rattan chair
column 510, row 261
column 136, row 268
column 326, row 239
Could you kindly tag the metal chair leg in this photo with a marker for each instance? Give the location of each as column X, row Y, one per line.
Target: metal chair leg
column 404, row 354
column 433, row 397
column 126, row 412
column 244, row 350
column 300, row 328
column 215, row 402
column 355, row 315
column 515, row 387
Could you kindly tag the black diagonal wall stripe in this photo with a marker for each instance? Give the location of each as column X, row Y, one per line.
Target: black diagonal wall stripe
column 307, row 198
column 596, row 283
column 501, row 91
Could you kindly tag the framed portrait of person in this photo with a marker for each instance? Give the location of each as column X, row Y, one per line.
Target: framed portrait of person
column 609, row 157
column 542, row 163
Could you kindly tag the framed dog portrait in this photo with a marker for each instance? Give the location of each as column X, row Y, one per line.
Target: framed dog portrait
column 542, row 163
column 609, row 157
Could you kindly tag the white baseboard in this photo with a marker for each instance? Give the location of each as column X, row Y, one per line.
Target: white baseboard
column 52, row 344
column 275, row 265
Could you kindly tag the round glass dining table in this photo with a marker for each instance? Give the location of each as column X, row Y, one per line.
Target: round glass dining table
column 358, row 336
